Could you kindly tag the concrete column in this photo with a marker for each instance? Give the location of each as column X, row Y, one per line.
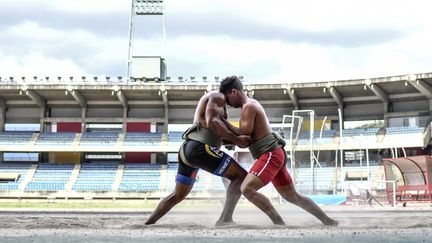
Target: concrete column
column 385, row 111
column 42, row 116
column 430, row 109
column 2, row 118
column 166, row 120
column 83, row 117
column 125, row 116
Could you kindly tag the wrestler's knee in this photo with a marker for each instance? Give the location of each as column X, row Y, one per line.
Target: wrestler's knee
column 292, row 197
column 247, row 189
column 176, row 197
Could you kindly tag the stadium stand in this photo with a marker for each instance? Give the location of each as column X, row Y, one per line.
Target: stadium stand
column 17, row 170
column 175, row 136
column 403, row 130
column 56, row 138
column 99, row 138
column 50, row 177
column 145, row 108
column 142, row 138
column 140, row 177
column 15, row 138
column 96, row 176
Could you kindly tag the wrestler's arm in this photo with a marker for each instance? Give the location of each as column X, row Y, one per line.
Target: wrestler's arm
column 213, row 114
column 234, row 129
column 247, row 119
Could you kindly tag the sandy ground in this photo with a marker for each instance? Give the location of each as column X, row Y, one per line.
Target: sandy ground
column 357, row 224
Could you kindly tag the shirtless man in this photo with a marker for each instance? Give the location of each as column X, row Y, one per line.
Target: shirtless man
column 201, row 150
column 268, row 149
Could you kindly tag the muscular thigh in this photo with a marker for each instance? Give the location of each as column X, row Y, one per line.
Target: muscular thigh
column 208, row 158
column 268, row 165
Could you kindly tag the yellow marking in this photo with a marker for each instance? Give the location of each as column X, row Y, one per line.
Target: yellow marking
column 235, row 123
column 209, row 151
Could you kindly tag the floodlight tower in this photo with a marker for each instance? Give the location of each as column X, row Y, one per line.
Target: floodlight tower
column 143, row 8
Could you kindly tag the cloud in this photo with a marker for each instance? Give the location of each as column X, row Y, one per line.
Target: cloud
column 247, row 29
column 30, row 44
column 262, row 40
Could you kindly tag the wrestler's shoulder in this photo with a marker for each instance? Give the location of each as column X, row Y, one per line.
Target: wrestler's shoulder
column 216, row 96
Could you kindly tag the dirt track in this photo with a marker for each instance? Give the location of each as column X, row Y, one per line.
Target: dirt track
column 197, row 225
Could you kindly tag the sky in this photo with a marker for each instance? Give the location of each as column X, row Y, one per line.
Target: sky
column 264, row 41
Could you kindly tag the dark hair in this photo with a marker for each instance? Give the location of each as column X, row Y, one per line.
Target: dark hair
column 229, row 83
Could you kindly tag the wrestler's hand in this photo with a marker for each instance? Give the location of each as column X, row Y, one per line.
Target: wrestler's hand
column 244, row 141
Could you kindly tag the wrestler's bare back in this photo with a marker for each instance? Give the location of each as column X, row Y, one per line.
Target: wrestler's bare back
column 217, row 101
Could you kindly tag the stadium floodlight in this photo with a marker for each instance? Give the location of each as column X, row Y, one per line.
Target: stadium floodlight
column 83, row 78
column 180, row 78
column 143, row 8
column 119, row 78
column 71, row 78
column 204, row 78
column 59, row 78
column 95, row 78
column 217, row 78
column 148, row 7
column 168, row 79
column 23, row 79
column 107, row 79
column 47, row 78
column 11, row 79
column 192, row 78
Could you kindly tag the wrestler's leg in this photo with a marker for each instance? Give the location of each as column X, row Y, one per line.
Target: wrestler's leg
column 179, row 194
column 185, row 180
column 236, row 174
column 285, row 187
column 249, row 189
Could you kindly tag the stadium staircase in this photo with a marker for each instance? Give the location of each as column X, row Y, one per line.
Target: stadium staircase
column 73, row 177
column 28, row 178
column 118, row 177
column 77, row 139
column 34, row 138
column 120, row 140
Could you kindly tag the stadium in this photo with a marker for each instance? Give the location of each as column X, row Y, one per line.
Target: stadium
column 356, row 147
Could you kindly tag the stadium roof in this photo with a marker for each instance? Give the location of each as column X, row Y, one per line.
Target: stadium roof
column 172, row 94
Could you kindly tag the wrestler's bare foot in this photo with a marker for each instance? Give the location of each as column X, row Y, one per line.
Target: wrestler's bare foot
column 224, row 222
column 331, row 222
column 279, row 222
column 150, row 221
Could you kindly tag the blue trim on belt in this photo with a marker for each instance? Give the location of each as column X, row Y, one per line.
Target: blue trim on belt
column 186, row 180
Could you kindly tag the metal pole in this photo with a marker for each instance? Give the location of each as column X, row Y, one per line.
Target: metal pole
column 311, row 152
column 361, row 164
column 403, row 150
column 367, row 164
column 341, row 138
column 163, row 33
column 129, row 60
column 394, row 194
